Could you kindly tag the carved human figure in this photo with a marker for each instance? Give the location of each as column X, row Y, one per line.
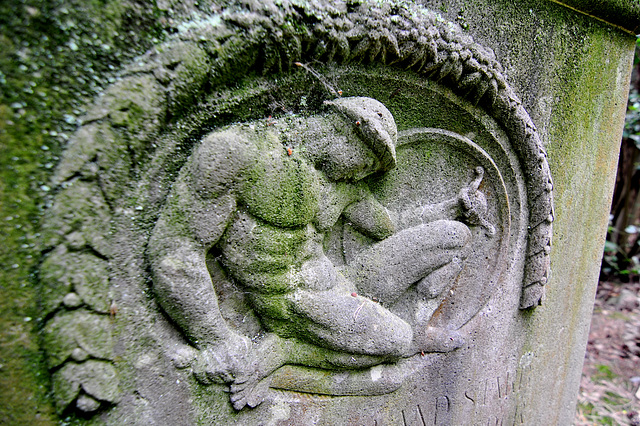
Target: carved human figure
column 264, row 196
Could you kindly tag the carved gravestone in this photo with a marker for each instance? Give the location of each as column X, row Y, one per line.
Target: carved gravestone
column 300, row 213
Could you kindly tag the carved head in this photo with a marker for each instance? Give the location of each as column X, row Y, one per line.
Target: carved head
column 374, row 124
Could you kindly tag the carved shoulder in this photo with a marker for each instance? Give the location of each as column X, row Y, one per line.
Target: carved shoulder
column 281, row 189
column 202, row 201
column 220, row 160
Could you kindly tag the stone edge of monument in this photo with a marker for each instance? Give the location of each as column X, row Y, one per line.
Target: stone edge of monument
column 622, row 13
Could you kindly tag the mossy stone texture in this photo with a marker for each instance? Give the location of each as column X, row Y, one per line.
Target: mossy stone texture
column 109, row 345
column 624, row 13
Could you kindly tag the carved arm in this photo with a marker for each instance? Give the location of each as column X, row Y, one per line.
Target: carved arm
column 197, row 212
column 177, row 254
column 370, row 218
column 469, row 206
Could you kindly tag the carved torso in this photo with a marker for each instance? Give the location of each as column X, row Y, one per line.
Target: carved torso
column 267, row 258
column 283, row 208
column 280, row 189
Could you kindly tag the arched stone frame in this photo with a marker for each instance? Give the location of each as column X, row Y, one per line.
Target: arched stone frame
column 148, row 121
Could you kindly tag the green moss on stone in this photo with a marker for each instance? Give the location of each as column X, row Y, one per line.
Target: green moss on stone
column 78, row 329
column 79, row 216
column 54, row 56
column 281, row 190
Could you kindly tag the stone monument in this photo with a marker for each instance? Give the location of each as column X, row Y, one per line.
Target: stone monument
column 296, row 212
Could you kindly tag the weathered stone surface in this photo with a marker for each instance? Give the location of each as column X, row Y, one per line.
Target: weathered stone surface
column 80, row 217
column 90, row 382
column 625, row 13
column 473, row 118
column 74, row 278
column 69, row 331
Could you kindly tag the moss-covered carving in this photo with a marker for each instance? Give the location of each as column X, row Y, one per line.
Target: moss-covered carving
column 316, row 313
column 166, row 100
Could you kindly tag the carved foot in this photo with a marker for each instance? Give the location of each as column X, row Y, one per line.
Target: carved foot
column 249, row 391
column 434, row 339
column 245, row 367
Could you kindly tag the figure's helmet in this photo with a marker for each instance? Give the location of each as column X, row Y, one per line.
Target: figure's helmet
column 375, row 125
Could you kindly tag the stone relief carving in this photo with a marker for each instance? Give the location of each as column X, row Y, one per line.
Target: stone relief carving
column 264, row 199
column 316, row 266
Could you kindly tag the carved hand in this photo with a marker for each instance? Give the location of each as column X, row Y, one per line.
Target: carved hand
column 225, row 362
column 474, row 204
column 236, row 362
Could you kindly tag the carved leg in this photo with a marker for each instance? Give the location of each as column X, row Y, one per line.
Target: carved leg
column 337, row 319
column 381, row 378
column 439, row 280
column 273, row 352
column 388, row 268
column 343, row 321
column 378, row 380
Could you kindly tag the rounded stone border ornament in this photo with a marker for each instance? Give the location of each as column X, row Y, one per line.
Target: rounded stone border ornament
column 148, row 121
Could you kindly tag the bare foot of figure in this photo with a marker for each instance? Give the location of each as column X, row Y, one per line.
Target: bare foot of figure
column 249, row 391
column 433, row 339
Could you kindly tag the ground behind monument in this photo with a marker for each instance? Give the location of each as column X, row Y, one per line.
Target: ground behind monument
column 609, row 388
